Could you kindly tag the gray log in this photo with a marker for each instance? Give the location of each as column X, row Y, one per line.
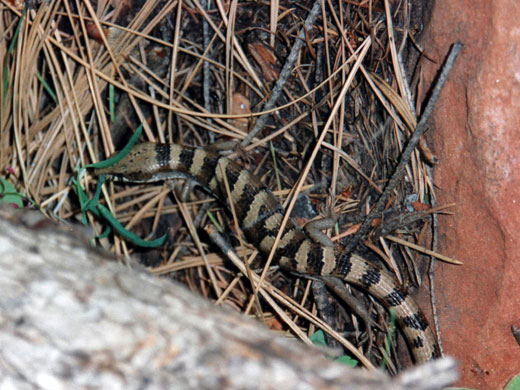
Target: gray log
column 71, row 317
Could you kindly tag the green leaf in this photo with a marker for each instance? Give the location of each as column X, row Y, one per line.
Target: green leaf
column 388, row 340
column 514, row 384
column 347, row 360
column 84, row 202
column 318, row 338
column 119, row 156
column 5, row 86
column 127, row 234
column 101, row 211
column 47, row 87
column 111, row 109
column 8, row 194
column 214, row 221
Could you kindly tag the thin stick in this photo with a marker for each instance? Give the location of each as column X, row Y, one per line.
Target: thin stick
column 431, row 269
column 407, row 153
column 423, row 250
column 286, row 71
column 206, row 75
column 196, row 240
column 363, row 48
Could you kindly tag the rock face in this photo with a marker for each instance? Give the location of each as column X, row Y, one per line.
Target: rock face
column 477, row 138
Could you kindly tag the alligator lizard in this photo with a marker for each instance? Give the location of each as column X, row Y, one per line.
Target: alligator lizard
column 259, row 214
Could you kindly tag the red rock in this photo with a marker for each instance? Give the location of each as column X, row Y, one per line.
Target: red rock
column 477, row 138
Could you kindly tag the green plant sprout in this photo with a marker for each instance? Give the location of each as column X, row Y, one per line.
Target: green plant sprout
column 100, row 211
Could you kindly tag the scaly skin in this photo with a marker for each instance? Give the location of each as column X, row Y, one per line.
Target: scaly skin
column 260, row 214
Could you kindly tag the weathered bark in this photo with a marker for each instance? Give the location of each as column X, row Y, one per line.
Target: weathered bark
column 71, row 317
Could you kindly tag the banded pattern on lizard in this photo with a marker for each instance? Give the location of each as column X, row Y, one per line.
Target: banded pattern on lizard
column 259, row 214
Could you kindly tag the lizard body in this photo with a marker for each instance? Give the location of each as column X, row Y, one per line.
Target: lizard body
column 259, row 214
